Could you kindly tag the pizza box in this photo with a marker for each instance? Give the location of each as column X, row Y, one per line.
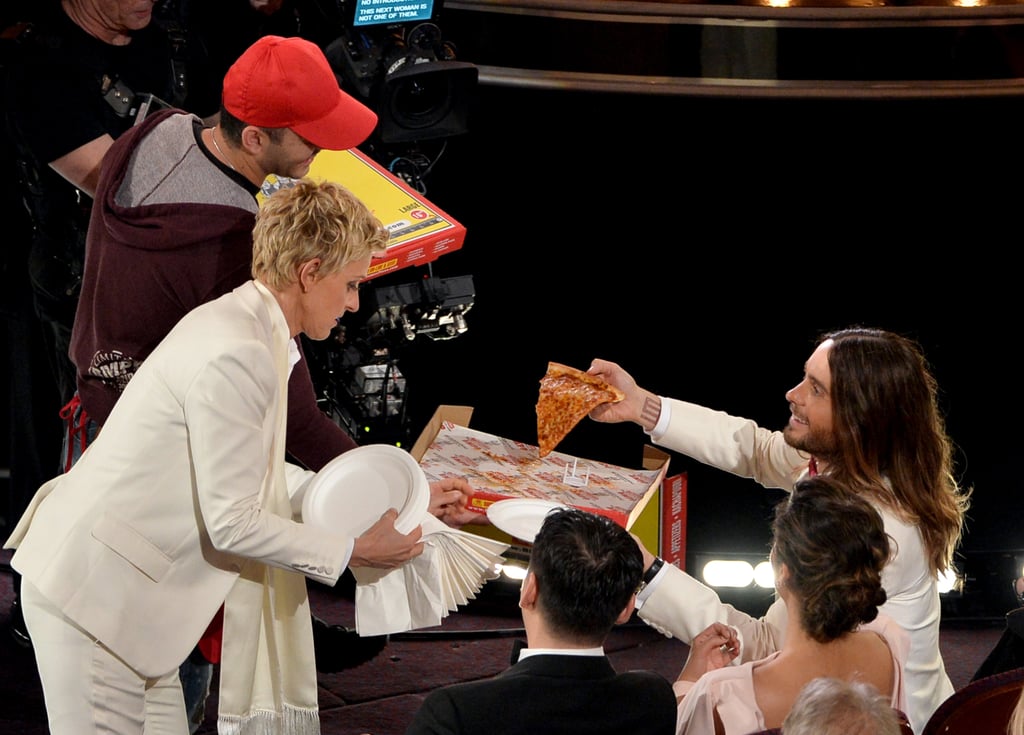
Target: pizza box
column 420, row 231
column 671, row 524
column 499, row 469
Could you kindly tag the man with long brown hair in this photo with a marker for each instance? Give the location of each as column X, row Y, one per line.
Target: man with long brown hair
column 866, row 412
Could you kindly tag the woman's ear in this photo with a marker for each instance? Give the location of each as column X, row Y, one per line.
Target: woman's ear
column 781, row 576
column 308, row 274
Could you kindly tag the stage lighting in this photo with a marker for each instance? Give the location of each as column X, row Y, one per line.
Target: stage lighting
column 728, row 573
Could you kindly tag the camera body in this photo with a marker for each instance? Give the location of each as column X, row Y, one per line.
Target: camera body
column 393, row 57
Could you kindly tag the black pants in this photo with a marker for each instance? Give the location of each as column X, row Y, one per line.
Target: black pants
column 34, row 409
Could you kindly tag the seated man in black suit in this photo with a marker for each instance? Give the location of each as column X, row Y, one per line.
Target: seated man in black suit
column 582, row 581
column 1008, row 653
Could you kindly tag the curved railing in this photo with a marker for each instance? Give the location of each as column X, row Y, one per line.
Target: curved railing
column 806, row 48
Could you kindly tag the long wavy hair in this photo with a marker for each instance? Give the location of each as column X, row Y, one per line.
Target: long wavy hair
column 891, row 436
column 1016, row 726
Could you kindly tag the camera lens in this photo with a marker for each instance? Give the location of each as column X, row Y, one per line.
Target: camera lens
column 421, row 101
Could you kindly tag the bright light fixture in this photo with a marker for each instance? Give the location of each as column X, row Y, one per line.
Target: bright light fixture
column 739, row 573
column 513, row 571
column 764, row 575
column 722, row 573
column 947, row 581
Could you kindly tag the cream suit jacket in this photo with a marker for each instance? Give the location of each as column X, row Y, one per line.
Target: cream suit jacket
column 141, row 541
column 680, row 606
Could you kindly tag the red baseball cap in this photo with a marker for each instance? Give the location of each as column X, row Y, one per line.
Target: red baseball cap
column 287, row 83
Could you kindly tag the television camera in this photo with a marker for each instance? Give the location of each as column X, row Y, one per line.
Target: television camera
column 362, row 387
column 393, row 57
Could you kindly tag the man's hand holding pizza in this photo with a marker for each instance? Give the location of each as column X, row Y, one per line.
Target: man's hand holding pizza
column 639, row 405
column 567, row 395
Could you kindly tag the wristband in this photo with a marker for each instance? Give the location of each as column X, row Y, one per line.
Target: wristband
column 651, row 572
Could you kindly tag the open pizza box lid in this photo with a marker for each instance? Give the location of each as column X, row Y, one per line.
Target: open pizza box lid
column 500, row 469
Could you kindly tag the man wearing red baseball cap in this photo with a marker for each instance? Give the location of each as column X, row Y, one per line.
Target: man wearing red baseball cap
column 274, row 119
column 175, row 209
column 263, row 89
column 172, row 229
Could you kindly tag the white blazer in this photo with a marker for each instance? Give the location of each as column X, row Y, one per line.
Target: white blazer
column 141, row 541
column 680, row 606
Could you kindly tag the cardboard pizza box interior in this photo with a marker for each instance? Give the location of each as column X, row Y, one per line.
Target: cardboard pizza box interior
column 658, row 518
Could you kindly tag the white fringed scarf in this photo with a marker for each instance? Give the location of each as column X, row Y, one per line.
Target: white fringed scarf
column 268, row 682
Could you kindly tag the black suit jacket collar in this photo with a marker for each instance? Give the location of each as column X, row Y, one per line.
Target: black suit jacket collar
column 562, row 665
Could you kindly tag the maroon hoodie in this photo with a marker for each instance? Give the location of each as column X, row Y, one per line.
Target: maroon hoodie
column 148, row 265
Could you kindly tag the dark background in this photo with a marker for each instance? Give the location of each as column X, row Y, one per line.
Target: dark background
column 704, row 244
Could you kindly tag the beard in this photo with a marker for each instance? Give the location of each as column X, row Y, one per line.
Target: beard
column 818, row 444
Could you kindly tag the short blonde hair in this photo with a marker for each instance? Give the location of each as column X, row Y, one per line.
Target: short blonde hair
column 312, row 220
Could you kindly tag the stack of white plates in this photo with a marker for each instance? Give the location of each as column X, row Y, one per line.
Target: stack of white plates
column 352, row 492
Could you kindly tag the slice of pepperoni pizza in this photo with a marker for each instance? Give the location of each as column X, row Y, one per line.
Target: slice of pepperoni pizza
column 566, row 396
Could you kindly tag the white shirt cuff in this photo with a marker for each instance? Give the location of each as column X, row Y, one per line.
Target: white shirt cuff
column 663, row 419
column 642, row 595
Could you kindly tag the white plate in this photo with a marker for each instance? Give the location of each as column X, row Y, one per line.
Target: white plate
column 353, row 490
column 521, row 517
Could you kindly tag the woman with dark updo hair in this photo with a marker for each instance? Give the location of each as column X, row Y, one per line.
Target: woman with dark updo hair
column 829, row 548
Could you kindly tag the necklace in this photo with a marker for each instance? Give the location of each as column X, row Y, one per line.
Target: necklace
column 213, row 137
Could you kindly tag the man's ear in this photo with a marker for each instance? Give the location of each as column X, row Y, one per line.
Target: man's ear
column 253, row 139
column 528, row 591
column 627, row 612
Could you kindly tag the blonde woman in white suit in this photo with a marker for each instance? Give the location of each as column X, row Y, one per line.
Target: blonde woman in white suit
column 185, row 496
